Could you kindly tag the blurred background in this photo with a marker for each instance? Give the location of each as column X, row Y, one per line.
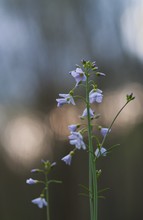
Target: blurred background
column 40, row 42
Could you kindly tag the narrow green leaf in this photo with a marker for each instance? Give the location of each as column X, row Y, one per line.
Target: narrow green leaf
column 84, row 187
column 103, row 190
column 86, row 195
column 54, row 181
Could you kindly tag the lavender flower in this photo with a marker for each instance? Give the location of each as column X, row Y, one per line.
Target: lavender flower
column 73, row 127
column 79, row 75
column 77, row 139
column 67, row 159
column 100, row 152
column 35, row 170
column 95, row 95
column 30, row 181
column 40, row 202
column 104, row 131
column 84, row 114
column 66, row 99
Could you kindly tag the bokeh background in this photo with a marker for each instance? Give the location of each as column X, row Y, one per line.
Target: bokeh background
column 40, row 42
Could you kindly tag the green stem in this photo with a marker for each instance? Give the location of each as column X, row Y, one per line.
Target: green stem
column 92, row 166
column 47, row 197
column 113, row 122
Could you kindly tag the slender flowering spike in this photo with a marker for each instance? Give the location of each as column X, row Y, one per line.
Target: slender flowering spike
column 72, row 128
column 30, row 181
column 77, row 140
column 100, row 152
column 40, row 202
column 79, row 75
column 104, row 131
column 84, row 114
column 95, row 95
column 67, row 159
column 66, row 99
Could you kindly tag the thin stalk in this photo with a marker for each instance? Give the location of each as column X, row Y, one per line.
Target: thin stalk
column 95, row 191
column 92, row 166
column 47, row 197
column 113, row 122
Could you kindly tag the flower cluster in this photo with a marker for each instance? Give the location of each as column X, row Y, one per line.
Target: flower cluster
column 95, row 95
column 42, row 200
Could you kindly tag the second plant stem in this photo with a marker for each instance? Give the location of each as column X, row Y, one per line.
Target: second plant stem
column 47, row 196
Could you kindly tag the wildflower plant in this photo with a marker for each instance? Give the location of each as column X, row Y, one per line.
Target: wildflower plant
column 85, row 76
column 43, row 199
